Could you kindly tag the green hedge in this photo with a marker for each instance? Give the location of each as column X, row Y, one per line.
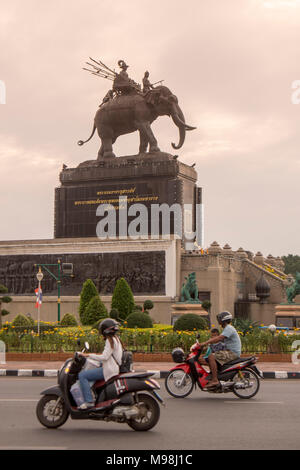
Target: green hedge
column 160, row 338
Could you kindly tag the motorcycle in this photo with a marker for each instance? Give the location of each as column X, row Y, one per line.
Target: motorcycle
column 240, row 376
column 129, row 398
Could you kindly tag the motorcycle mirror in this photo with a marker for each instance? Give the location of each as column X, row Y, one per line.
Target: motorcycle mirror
column 87, row 346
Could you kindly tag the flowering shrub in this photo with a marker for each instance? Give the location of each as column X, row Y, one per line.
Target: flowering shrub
column 160, row 338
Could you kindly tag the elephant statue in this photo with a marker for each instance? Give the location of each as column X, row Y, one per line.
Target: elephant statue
column 127, row 113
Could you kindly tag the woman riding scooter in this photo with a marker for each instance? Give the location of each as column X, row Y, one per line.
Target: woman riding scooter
column 111, row 359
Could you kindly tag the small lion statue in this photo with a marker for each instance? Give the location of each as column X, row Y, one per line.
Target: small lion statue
column 294, row 289
column 189, row 290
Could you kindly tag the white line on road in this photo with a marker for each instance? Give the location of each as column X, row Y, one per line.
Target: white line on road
column 18, row 399
column 31, row 448
column 256, row 402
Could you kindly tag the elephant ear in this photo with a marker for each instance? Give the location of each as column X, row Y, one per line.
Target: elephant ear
column 152, row 97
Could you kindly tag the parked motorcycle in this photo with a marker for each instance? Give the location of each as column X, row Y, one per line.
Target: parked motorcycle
column 129, row 398
column 240, row 376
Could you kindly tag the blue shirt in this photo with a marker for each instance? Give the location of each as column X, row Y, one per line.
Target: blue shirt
column 232, row 340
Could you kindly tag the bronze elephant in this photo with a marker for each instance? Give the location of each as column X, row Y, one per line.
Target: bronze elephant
column 127, row 113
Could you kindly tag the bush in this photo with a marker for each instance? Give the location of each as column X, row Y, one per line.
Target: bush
column 122, row 299
column 206, row 304
column 244, row 325
column 30, row 319
column 21, row 320
column 148, row 305
column 139, row 320
column 94, row 311
column 138, row 307
column 68, row 320
column 114, row 313
column 190, row 322
column 88, row 292
column 4, row 299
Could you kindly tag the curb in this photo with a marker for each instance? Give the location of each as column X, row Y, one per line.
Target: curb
column 157, row 374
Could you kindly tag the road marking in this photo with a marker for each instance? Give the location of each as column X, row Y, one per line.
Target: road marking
column 18, row 399
column 31, row 448
column 256, row 402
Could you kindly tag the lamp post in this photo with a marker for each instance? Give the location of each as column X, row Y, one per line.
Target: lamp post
column 39, row 277
column 64, row 270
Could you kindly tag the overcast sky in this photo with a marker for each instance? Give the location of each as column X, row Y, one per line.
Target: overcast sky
column 231, row 64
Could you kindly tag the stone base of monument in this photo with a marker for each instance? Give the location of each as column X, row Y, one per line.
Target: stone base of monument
column 148, row 179
column 182, row 308
column 288, row 315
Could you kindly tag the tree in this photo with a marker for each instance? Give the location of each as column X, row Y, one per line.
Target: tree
column 292, row 264
column 4, row 299
column 122, row 298
column 148, row 305
column 95, row 310
column 88, row 291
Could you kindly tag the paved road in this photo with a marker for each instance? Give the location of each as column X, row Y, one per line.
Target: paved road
column 201, row 421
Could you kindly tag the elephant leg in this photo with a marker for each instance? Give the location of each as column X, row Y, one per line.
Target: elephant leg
column 143, row 143
column 107, row 148
column 144, row 128
column 100, row 153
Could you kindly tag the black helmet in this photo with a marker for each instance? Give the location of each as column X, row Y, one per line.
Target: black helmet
column 224, row 316
column 178, row 355
column 109, row 326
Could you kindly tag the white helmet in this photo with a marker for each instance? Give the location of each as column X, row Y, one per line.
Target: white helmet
column 224, row 316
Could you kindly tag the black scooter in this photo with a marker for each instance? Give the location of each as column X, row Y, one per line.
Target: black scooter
column 119, row 399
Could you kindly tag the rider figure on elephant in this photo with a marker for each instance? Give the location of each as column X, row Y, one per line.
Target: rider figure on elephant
column 122, row 83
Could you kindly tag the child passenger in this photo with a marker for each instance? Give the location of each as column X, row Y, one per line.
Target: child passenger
column 220, row 346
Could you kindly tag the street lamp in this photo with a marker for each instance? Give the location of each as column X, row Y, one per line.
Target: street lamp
column 39, row 277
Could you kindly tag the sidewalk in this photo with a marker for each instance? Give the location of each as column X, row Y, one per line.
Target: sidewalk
column 49, row 369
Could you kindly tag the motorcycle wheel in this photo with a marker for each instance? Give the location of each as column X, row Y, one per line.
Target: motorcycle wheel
column 250, row 379
column 150, row 411
column 179, row 384
column 50, row 415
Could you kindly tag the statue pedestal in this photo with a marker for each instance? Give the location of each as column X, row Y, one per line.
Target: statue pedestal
column 288, row 315
column 148, row 179
column 182, row 308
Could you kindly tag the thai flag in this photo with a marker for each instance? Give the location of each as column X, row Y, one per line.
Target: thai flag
column 39, row 297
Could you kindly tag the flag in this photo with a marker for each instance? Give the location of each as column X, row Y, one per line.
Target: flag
column 39, row 297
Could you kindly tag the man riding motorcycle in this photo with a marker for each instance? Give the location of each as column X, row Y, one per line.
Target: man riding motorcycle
column 232, row 343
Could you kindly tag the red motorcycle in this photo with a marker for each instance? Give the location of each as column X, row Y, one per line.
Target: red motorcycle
column 240, row 376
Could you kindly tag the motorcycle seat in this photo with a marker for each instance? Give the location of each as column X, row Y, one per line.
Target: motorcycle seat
column 126, row 375
column 235, row 361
